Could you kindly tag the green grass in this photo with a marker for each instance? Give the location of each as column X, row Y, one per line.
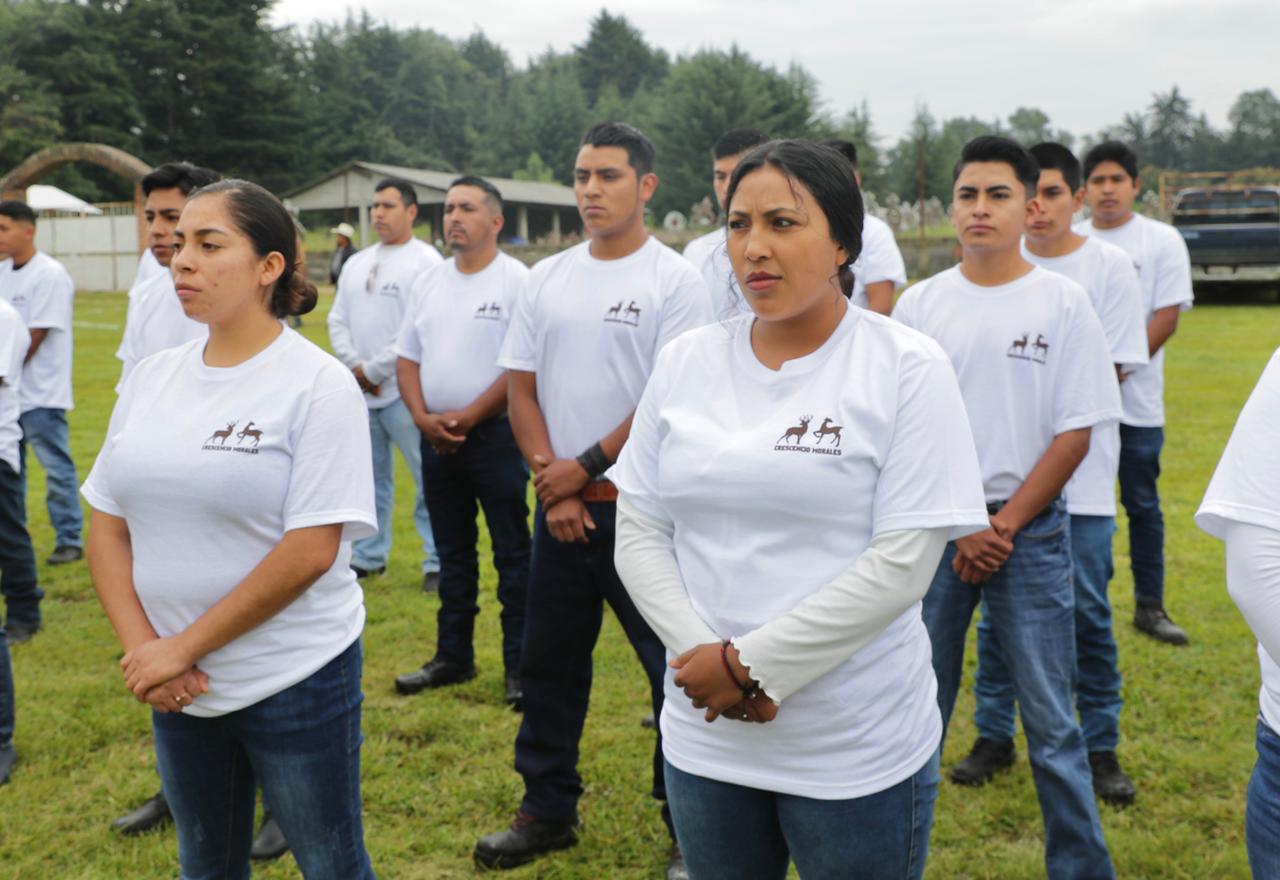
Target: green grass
column 437, row 766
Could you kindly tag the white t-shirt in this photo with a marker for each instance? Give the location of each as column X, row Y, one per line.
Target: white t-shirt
column 14, row 342
column 368, row 309
column 1032, row 360
column 1164, row 268
column 210, row 467
column 42, row 292
column 1106, row 273
column 148, row 267
column 774, row 483
column 710, row 256
column 1246, row 488
column 880, row 260
column 154, row 321
column 454, row 328
column 590, row 329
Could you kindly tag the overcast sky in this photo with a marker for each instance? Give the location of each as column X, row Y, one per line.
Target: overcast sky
column 1085, row 63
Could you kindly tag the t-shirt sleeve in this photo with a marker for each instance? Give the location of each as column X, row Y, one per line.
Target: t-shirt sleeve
column 1122, row 316
column 51, row 303
column 882, row 261
column 930, row 476
column 1085, row 390
column 688, row 306
column 96, row 489
column 904, row 311
column 408, row 343
column 635, row 473
column 520, row 346
column 1246, row 484
column 10, row 338
column 1173, row 273
column 331, row 475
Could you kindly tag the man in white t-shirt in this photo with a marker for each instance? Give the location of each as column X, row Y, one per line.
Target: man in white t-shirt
column 155, row 320
column 879, row 271
column 708, row 253
column 42, row 291
column 1107, row 275
column 364, row 323
column 17, row 559
column 1164, row 268
column 457, row 395
column 1036, row 377
column 580, row 350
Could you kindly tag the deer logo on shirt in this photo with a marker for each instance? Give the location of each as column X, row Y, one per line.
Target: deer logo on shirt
column 828, row 430
column 792, row 440
column 221, row 436
column 619, row 315
column 489, row 312
column 1039, row 349
column 248, row 432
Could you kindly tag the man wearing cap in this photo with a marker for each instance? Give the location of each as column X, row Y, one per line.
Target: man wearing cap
column 342, row 251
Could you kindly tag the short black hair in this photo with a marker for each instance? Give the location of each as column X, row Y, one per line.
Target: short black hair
column 178, row 175
column 640, row 152
column 16, row 210
column 993, row 148
column 1112, row 151
column 1055, row 157
column 844, row 148
column 738, row 140
column 408, row 195
column 490, row 191
column 829, row 180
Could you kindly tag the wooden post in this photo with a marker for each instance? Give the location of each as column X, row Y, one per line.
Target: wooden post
column 555, row 226
column 522, row 221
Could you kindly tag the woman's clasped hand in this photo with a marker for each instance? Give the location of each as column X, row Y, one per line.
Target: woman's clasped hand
column 705, row 679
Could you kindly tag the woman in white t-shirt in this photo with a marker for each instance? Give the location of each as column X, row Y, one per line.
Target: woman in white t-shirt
column 1242, row 508
column 224, row 501
column 789, row 484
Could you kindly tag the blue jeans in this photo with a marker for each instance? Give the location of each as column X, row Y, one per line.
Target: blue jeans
column 45, row 431
column 388, row 425
column 487, row 468
column 1262, row 807
column 568, row 586
column 728, row 830
column 1139, row 471
column 1031, row 606
column 17, row 560
column 302, row 746
column 1097, row 670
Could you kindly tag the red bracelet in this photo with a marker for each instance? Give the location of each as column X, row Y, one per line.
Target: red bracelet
column 749, row 689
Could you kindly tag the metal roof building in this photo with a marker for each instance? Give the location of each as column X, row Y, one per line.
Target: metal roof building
column 544, row 208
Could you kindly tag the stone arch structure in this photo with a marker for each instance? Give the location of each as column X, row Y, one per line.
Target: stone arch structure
column 14, row 184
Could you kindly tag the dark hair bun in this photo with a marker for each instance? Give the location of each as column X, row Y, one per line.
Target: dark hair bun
column 294, row 295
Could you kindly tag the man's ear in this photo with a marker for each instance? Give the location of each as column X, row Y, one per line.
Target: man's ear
column 648, row 186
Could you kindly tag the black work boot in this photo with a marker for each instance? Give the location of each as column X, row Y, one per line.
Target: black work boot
column 527, row 838
column 1110, row 782
column 985, row 758
column 1155, row 622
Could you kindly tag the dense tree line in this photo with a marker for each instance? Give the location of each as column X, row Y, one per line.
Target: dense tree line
column 212, row 81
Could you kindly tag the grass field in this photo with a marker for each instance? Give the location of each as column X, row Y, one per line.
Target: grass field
column 437, row 766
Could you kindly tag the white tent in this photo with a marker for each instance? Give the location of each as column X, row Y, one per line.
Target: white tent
column 50, row 198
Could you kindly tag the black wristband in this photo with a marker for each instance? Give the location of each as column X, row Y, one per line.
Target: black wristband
column 594, row 461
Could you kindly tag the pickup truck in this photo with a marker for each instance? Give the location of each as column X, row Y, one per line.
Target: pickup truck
column 1230, row 228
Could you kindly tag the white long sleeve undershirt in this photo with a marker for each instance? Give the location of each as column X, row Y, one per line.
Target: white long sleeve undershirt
column 1253, row 579
column 821, row 632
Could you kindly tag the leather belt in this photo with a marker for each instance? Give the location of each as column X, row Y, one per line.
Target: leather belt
column 599, row 491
